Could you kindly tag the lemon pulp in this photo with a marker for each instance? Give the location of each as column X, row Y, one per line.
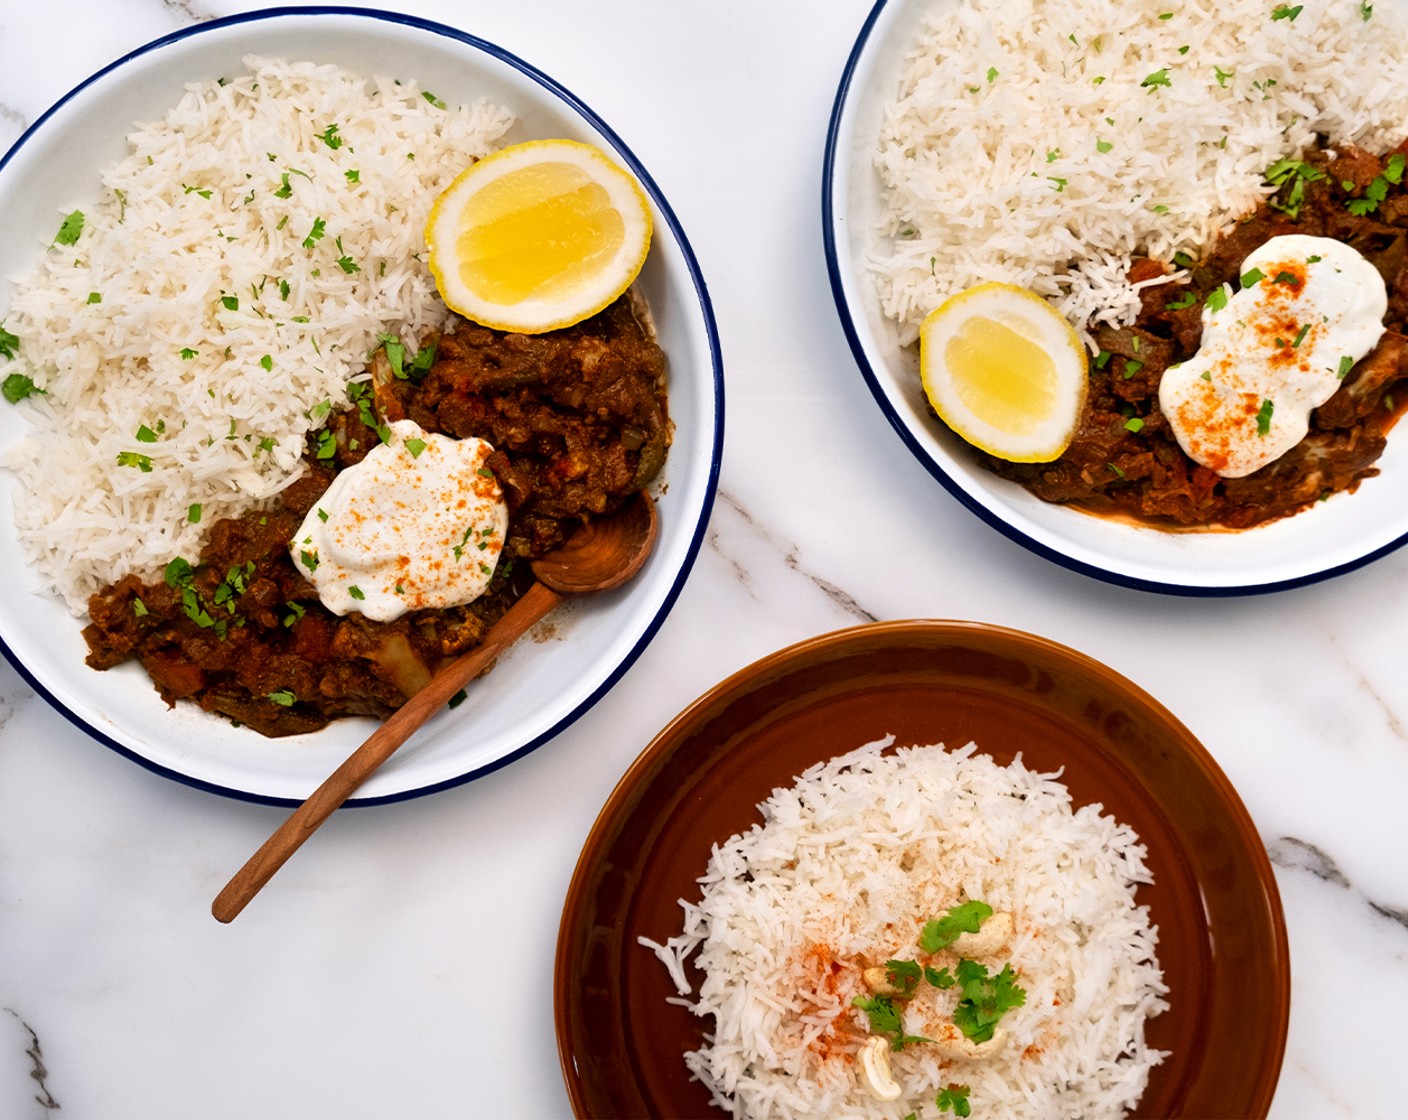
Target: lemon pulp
column 537, row 236
column 1005, row 371
column 1003, row 378
column 542, row 230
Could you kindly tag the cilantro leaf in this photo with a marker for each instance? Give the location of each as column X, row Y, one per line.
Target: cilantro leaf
column 17, row 386
column 904, row 975
column 885, row 1019
column 985, row 999
column 964, row 918
column 954, row 1098
column 69, row 229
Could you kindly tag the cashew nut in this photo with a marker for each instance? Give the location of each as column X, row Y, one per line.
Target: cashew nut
column 874, row 1064
column 952, row 1045
column 994, row 933
column 878, row 981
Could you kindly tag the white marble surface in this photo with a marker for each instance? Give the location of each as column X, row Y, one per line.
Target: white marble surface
column 369, row 978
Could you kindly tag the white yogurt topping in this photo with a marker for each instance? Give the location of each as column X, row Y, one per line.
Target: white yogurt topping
column 419, row 523
column 1277, row 349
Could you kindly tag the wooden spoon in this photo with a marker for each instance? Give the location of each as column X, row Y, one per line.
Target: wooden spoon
column 601, row 555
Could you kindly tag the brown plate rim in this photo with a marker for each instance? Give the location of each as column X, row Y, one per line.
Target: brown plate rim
column 1275, row 1012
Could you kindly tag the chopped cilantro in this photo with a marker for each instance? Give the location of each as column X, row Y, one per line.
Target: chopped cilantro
column 954, row 1098
column 330, row 137
column 1286, row 12
column 283, row 697
column 963, row 918
column 985, row 999
column 17, row 386
column 433, row 99
column 1217, row 299
column 1346, row 364
column 132, row 459
column 310, row 559
column 187, row 353
column 352, row 176
column 415, row 447
column 1157, row 78
column 885, row 1018
column 95, row 297
column 1187, row 299
column 316, row 233
column 1134, row 424
column 1221, row 75
column 193, row 513
column 1252, row 277
column 178, row 572
column 992, row 73
column 904, row 975
column 9, row 344
column 355, row 592
column 1103, row 145
column 139, row 608
column 1263, row 417
column 145, row 434
column 230, row 303
column 69, row 229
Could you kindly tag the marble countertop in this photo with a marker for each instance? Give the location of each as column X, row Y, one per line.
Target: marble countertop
column 368, row 980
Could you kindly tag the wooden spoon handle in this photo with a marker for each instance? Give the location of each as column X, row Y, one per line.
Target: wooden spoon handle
column 383, row 742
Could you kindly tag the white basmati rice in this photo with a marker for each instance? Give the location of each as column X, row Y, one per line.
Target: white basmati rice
column 1045, row 142
column 225, row 288
column 843, row 872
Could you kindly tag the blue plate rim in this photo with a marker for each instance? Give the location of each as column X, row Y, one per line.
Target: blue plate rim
column 715, row 360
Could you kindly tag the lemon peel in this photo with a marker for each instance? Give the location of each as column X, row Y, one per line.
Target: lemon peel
column 1005, row 370
column 538, row 236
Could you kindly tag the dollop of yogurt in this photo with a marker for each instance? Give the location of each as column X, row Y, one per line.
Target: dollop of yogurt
column 419, row 523
column 1308, row 309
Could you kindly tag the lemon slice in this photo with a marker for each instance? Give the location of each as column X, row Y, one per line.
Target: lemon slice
column 538, row 236
column 1005, row 370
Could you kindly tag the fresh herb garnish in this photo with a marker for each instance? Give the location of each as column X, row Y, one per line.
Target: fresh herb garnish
column 966, row 917
column 17, row 386
column 133, row 459
column 1346, row 364
column 885, row 1018
column 283, row 697
column 69, row 229
column 1157, row 78
column 954, row 1098
column 1263, row 417
column 985, row 999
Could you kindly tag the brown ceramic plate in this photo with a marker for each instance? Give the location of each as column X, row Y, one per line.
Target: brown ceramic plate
column 1222, row 936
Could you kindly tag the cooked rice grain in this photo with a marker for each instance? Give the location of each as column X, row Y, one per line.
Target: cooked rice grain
column 847, row 865
column 272, row 220
column 1045, row 142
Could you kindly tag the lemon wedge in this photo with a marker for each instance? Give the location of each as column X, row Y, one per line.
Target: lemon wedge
column 537, row 236
column 1005, row 370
